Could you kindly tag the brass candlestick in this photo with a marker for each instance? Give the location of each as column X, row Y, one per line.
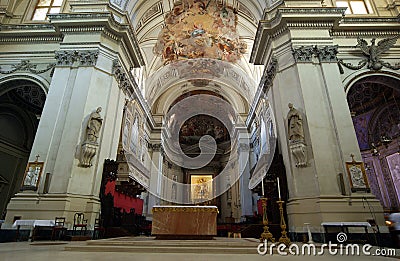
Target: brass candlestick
column 266, row 235
column 283, row 239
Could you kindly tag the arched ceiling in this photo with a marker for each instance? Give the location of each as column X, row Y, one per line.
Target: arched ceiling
column 137, row 7
column 149, row 18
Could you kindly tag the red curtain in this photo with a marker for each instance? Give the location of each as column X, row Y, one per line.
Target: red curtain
column 123, row 201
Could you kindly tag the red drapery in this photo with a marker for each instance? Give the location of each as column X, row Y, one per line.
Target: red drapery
column 123, row 201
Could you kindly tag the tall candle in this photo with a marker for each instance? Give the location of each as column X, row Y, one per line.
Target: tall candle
column 262, row 187
column 279, row 189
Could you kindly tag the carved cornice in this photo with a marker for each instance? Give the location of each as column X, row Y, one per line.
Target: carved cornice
column 100, row 22
column 76, row 58
column 27, row 66
column 305, row 54
column 29, row 33
column 313, row 10
column 367, row 27
column 292, row 17
column 265, row 83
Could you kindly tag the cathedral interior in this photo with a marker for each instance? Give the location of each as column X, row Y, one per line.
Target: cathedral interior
column 116, row 108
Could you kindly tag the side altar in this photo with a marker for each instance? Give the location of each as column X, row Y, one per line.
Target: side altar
column 184, row 222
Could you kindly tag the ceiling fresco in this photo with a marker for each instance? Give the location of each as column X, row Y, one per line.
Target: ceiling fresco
column 200, row 29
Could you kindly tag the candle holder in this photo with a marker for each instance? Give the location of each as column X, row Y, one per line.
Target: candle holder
column 283, row 239
column 266, row 235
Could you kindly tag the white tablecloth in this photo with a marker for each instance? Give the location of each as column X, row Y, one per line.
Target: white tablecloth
column 34, row 223
column 346, row 224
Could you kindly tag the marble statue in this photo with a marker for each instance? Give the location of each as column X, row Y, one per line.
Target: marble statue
column 93, row 126
column 295, row 124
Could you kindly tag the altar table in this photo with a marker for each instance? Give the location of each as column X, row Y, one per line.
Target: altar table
column 184, row 222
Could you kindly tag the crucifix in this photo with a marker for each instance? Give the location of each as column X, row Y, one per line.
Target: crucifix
column 37, row 158
column 352, row 157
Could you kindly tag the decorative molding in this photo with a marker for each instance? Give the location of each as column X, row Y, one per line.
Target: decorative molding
column 106, row 24
column 372, row 54
column 299, row 151
column 79, row 58
column 305, row 54
column 313, row 10
column 155, row 10
column 121, row 4
column 26, row 65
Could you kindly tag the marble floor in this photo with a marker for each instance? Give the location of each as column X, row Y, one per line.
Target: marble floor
column 56, row 251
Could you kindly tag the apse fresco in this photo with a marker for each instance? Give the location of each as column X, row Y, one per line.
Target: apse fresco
column 200, row 29
column 198, row 126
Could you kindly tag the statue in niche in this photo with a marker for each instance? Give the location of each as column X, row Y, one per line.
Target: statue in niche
column 93, row 126
column 295, row 124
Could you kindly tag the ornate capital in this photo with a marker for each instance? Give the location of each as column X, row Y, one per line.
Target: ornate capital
column 78, row 58
column 305, row 54
column 328, row 53
column 270, row 74
column 155, row 146
column 124, row 82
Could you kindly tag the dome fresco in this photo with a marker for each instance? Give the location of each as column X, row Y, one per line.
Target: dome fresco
column 200, row 29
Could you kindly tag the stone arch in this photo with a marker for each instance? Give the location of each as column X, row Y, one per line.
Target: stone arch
column 374, row 102
column 21, row 103
column 349, row 81
column 39, row 81
column 218, row 76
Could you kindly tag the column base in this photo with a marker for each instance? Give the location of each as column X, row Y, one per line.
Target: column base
column 48, row 206
column 315, row 210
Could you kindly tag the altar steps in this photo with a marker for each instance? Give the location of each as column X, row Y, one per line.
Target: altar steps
column 150, row 245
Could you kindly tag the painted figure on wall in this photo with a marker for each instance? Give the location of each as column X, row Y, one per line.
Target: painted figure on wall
column 295, row 124
column 93, row 126
column 196, row 29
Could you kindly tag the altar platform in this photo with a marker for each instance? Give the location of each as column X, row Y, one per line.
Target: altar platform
column 217, row 245
column 184, row 222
